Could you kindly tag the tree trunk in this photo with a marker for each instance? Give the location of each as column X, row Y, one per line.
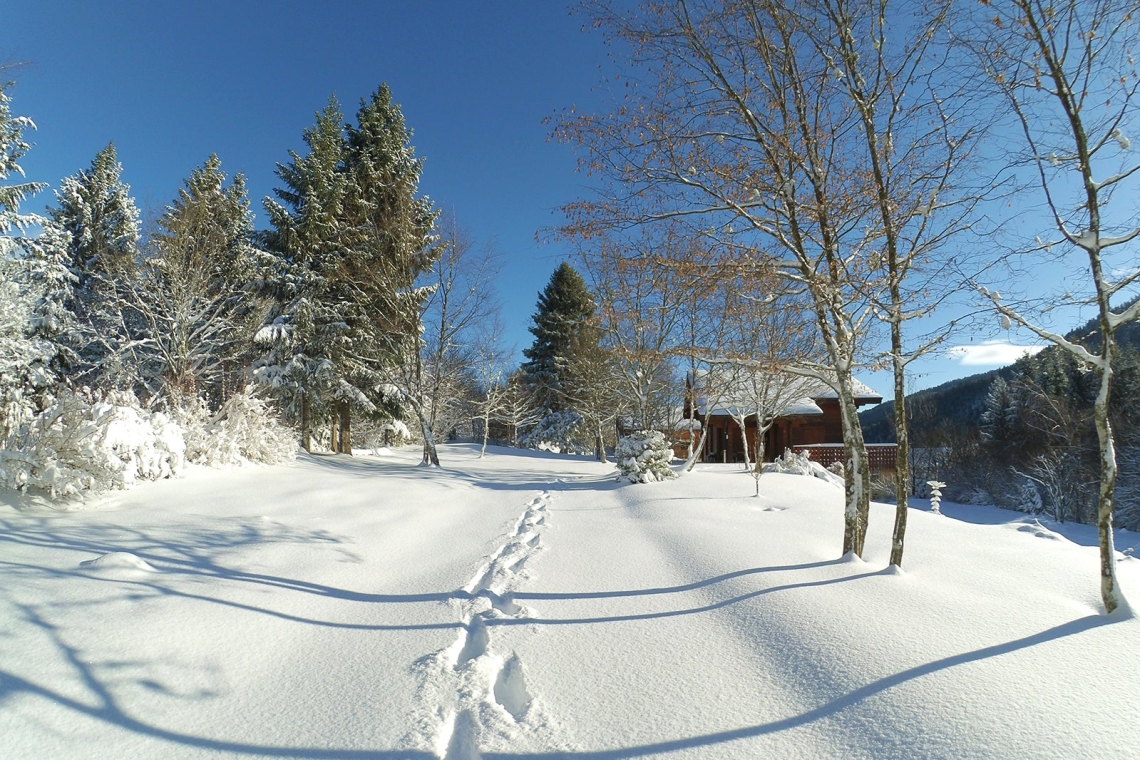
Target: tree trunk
column 902, row 454
column 306, row 436
column 334, row 432
column 431, row 456
column 856, row 476
column 695, row 452
column 345, row 428
column 744, row 444
column 599, row 444
column 1109, row 590
column 486, row 431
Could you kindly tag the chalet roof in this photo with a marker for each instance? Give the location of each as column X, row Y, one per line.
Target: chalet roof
column 798, row 399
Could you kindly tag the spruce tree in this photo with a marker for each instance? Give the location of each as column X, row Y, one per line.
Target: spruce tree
column 351, row 238
column 195, row 300
column 98, row 213
column 393, row 243
column 305, row 332
column 24, row 354
column 98, row 226
column 565, row 307
column 13, row 146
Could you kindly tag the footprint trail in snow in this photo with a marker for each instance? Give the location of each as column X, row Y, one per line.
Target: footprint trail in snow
column 473, row 694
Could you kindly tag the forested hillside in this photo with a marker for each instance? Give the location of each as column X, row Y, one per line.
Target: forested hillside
column 1022, row 436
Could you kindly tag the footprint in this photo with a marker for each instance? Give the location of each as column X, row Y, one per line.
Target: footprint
column 475, row 643
column 482, row 582
column 504, row 604
column 463, row 744
column 510, row 688
column 533, row 541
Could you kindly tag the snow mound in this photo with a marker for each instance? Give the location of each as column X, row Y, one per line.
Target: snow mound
column 1035, row 528
column 118, row 561
column 792, row 463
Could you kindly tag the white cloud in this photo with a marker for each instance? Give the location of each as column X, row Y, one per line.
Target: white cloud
column 990, row 353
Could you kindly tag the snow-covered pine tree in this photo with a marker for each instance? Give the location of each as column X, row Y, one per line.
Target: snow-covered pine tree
column 24, row 355
column 99, row 226
column 195, row 298
column 305, row 331
column 13, row 146
column 564, row 307
column 97, row 211
column 393, row 242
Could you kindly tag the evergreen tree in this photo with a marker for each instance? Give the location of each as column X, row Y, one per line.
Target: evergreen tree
column 304, row 331
column 97, row 212
column 999, row 422
column 195, row 302
column 13, row 146
column 392, row 242
column 98, row 228
column 24, row 355
column 565, row 307
column 351, row 239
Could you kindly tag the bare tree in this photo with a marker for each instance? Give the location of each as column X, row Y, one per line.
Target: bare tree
column 521, row 406
column 1067, row 72
column 735, row 123
column 490, row 365
column 436, row 382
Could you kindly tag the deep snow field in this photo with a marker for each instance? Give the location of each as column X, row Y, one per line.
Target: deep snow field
column 527, row 606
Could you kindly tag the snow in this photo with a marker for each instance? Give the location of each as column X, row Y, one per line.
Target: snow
column 527, row 605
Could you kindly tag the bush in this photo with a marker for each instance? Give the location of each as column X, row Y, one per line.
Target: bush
column 244, row 430
column 559, row 432
column 792, row 463
column 82, row 443
column 643, row 457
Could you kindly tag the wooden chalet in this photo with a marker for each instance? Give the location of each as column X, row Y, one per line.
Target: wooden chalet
column 810, row 423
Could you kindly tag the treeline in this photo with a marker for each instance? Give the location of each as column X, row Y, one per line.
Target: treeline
column 359, row 309
column 1023, row 437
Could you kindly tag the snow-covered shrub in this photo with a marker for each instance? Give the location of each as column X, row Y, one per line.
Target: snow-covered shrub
column 882, row 488
column 792, row 463
column 643, row 457
column 559, row 432
column 244, row 430
column 395, row 433
column 82, row 443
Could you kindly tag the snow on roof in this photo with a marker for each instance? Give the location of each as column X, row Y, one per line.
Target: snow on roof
column 798, row 408
column 863, row 392
column 799, row 399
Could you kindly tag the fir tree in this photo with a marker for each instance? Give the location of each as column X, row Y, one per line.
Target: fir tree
column 98, row 229
column 565, row 307
column 13, row 146
column 195, row 300
column 24, row 354
column 304, row 331
column 392, row 243
column 100, row 217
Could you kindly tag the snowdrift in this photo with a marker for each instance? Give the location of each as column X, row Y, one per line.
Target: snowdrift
column 530, row 606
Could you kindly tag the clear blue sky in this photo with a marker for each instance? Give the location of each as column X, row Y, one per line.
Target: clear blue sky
column 171, row 82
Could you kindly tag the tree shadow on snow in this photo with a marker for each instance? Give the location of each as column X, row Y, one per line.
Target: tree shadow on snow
column 826, row 710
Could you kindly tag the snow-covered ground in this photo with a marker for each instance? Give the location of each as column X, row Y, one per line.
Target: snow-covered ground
column 527, row 606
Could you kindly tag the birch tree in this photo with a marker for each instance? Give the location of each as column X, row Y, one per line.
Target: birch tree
column 1068, row 74
column 733, row 120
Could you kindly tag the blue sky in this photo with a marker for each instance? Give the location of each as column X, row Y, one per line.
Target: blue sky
column 171, row 82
